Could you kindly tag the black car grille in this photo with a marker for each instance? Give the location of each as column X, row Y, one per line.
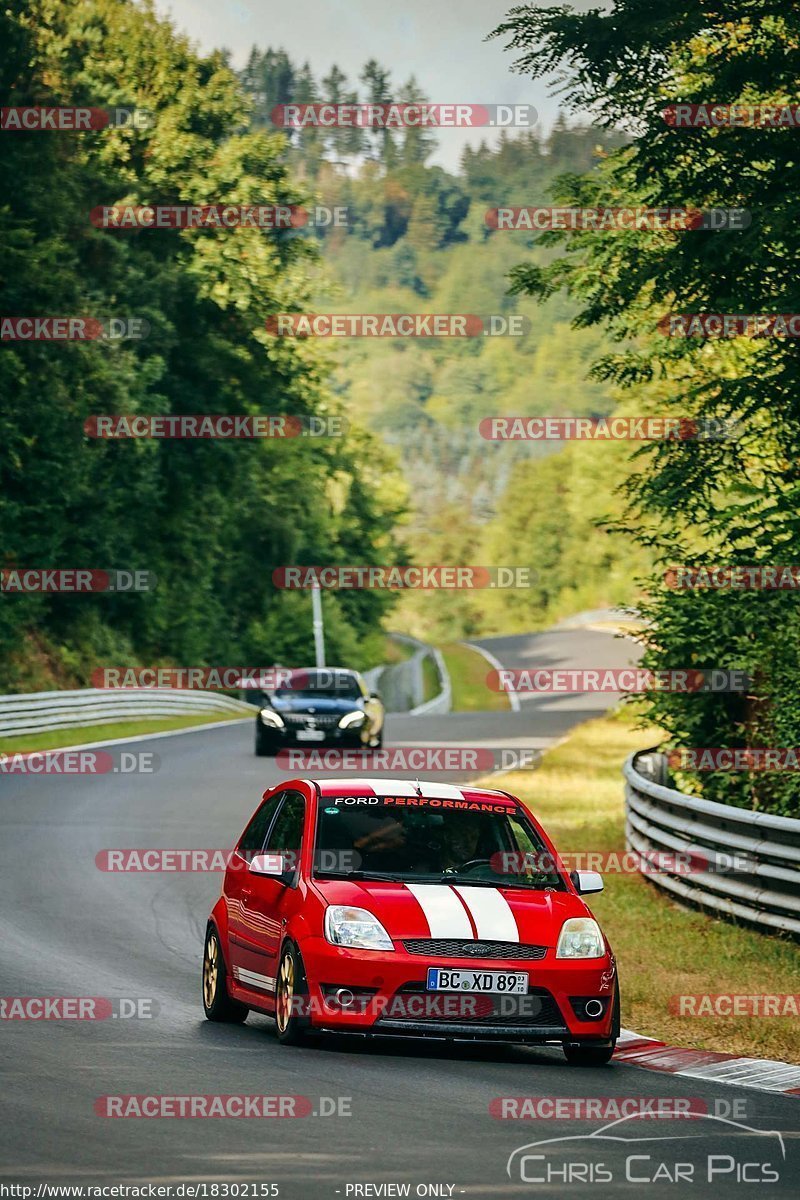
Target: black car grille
column 454, row 948
column 537, row 1009
column 318, row 720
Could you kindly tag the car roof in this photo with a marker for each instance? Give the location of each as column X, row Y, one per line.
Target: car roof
column 424, row 788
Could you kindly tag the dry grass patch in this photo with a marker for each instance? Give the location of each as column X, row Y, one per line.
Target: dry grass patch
column 663, row 950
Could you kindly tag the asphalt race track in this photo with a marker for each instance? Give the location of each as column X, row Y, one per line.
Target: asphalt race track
column 418, row 1112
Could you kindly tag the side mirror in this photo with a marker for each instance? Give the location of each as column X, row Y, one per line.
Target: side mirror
column 268, row 864
column 587, row 882
column 374, row 696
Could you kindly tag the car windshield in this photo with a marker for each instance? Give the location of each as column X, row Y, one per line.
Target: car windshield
column 422, row 840
column 325, row 686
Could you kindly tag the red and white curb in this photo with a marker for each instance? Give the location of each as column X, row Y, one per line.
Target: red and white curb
column 762, row 1073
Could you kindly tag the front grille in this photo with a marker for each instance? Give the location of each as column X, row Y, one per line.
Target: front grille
column 535, row 1010
column 454, row 948
column 320, row 720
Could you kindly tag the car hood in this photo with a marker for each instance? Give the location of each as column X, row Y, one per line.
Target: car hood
column 314, row 704
column 450, row 911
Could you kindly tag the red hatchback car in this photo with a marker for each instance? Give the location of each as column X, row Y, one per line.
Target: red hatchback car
column 404, row 908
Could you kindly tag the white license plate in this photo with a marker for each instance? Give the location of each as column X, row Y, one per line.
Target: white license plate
column 311, row 735
column 508, row 983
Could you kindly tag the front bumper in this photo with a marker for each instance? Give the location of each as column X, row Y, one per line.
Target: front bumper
column 333, row 736
column 391, row 997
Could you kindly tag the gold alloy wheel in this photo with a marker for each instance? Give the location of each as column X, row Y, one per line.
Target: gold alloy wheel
column 285, row 994
column 210, row 970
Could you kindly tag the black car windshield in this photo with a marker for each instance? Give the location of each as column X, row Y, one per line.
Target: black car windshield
column 340, row 687
column 426, row 841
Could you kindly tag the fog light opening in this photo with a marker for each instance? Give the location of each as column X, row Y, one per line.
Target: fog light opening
column 593, row 1008
column 344, row 997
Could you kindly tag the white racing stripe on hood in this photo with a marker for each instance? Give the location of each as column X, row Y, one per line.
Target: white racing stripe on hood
column 443, row 910
column 491, row 912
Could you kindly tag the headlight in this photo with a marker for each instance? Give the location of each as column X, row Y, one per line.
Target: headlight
column 268, row 717
column 351, row 719
column 580, row 938
column 345, row 926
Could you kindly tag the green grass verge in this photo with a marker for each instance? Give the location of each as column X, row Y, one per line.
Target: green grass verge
column 55, row 739
column 663, row 950
column 468, row 670
column 430, row 679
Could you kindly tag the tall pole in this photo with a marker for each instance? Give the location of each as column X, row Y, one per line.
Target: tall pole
column 319, row 628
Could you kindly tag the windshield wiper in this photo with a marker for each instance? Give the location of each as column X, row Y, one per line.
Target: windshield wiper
column 499, row 883
column 393, row 877
column 453, row 877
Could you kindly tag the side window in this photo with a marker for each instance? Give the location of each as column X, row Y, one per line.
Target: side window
column 252, row 839
column 287, row 832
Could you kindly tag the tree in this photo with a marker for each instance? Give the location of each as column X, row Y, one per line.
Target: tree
column 733, row 501
column 417, row 143
column 210, row 519
column 377, row 81
column 345, row 141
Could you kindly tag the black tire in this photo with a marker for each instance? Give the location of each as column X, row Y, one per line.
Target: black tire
column 578, row 1055
column 217, row 1004
column 264, row 749
column 291, row 995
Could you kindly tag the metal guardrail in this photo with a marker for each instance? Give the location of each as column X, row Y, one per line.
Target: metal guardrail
column 35, row 712
column 752, row 858
column 442, row 702
column 402, row 685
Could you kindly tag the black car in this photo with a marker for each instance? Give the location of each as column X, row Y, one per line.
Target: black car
column 320, row 706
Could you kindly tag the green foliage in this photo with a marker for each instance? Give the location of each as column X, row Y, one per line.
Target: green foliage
column 417, row 240
column 210, row 519
column 732, row 502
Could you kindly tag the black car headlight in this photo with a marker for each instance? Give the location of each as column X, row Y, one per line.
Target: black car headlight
column 269, row 717
column 352, row 720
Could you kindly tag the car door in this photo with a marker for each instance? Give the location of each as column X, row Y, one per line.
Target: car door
column 237, row 887
column 254, row 952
